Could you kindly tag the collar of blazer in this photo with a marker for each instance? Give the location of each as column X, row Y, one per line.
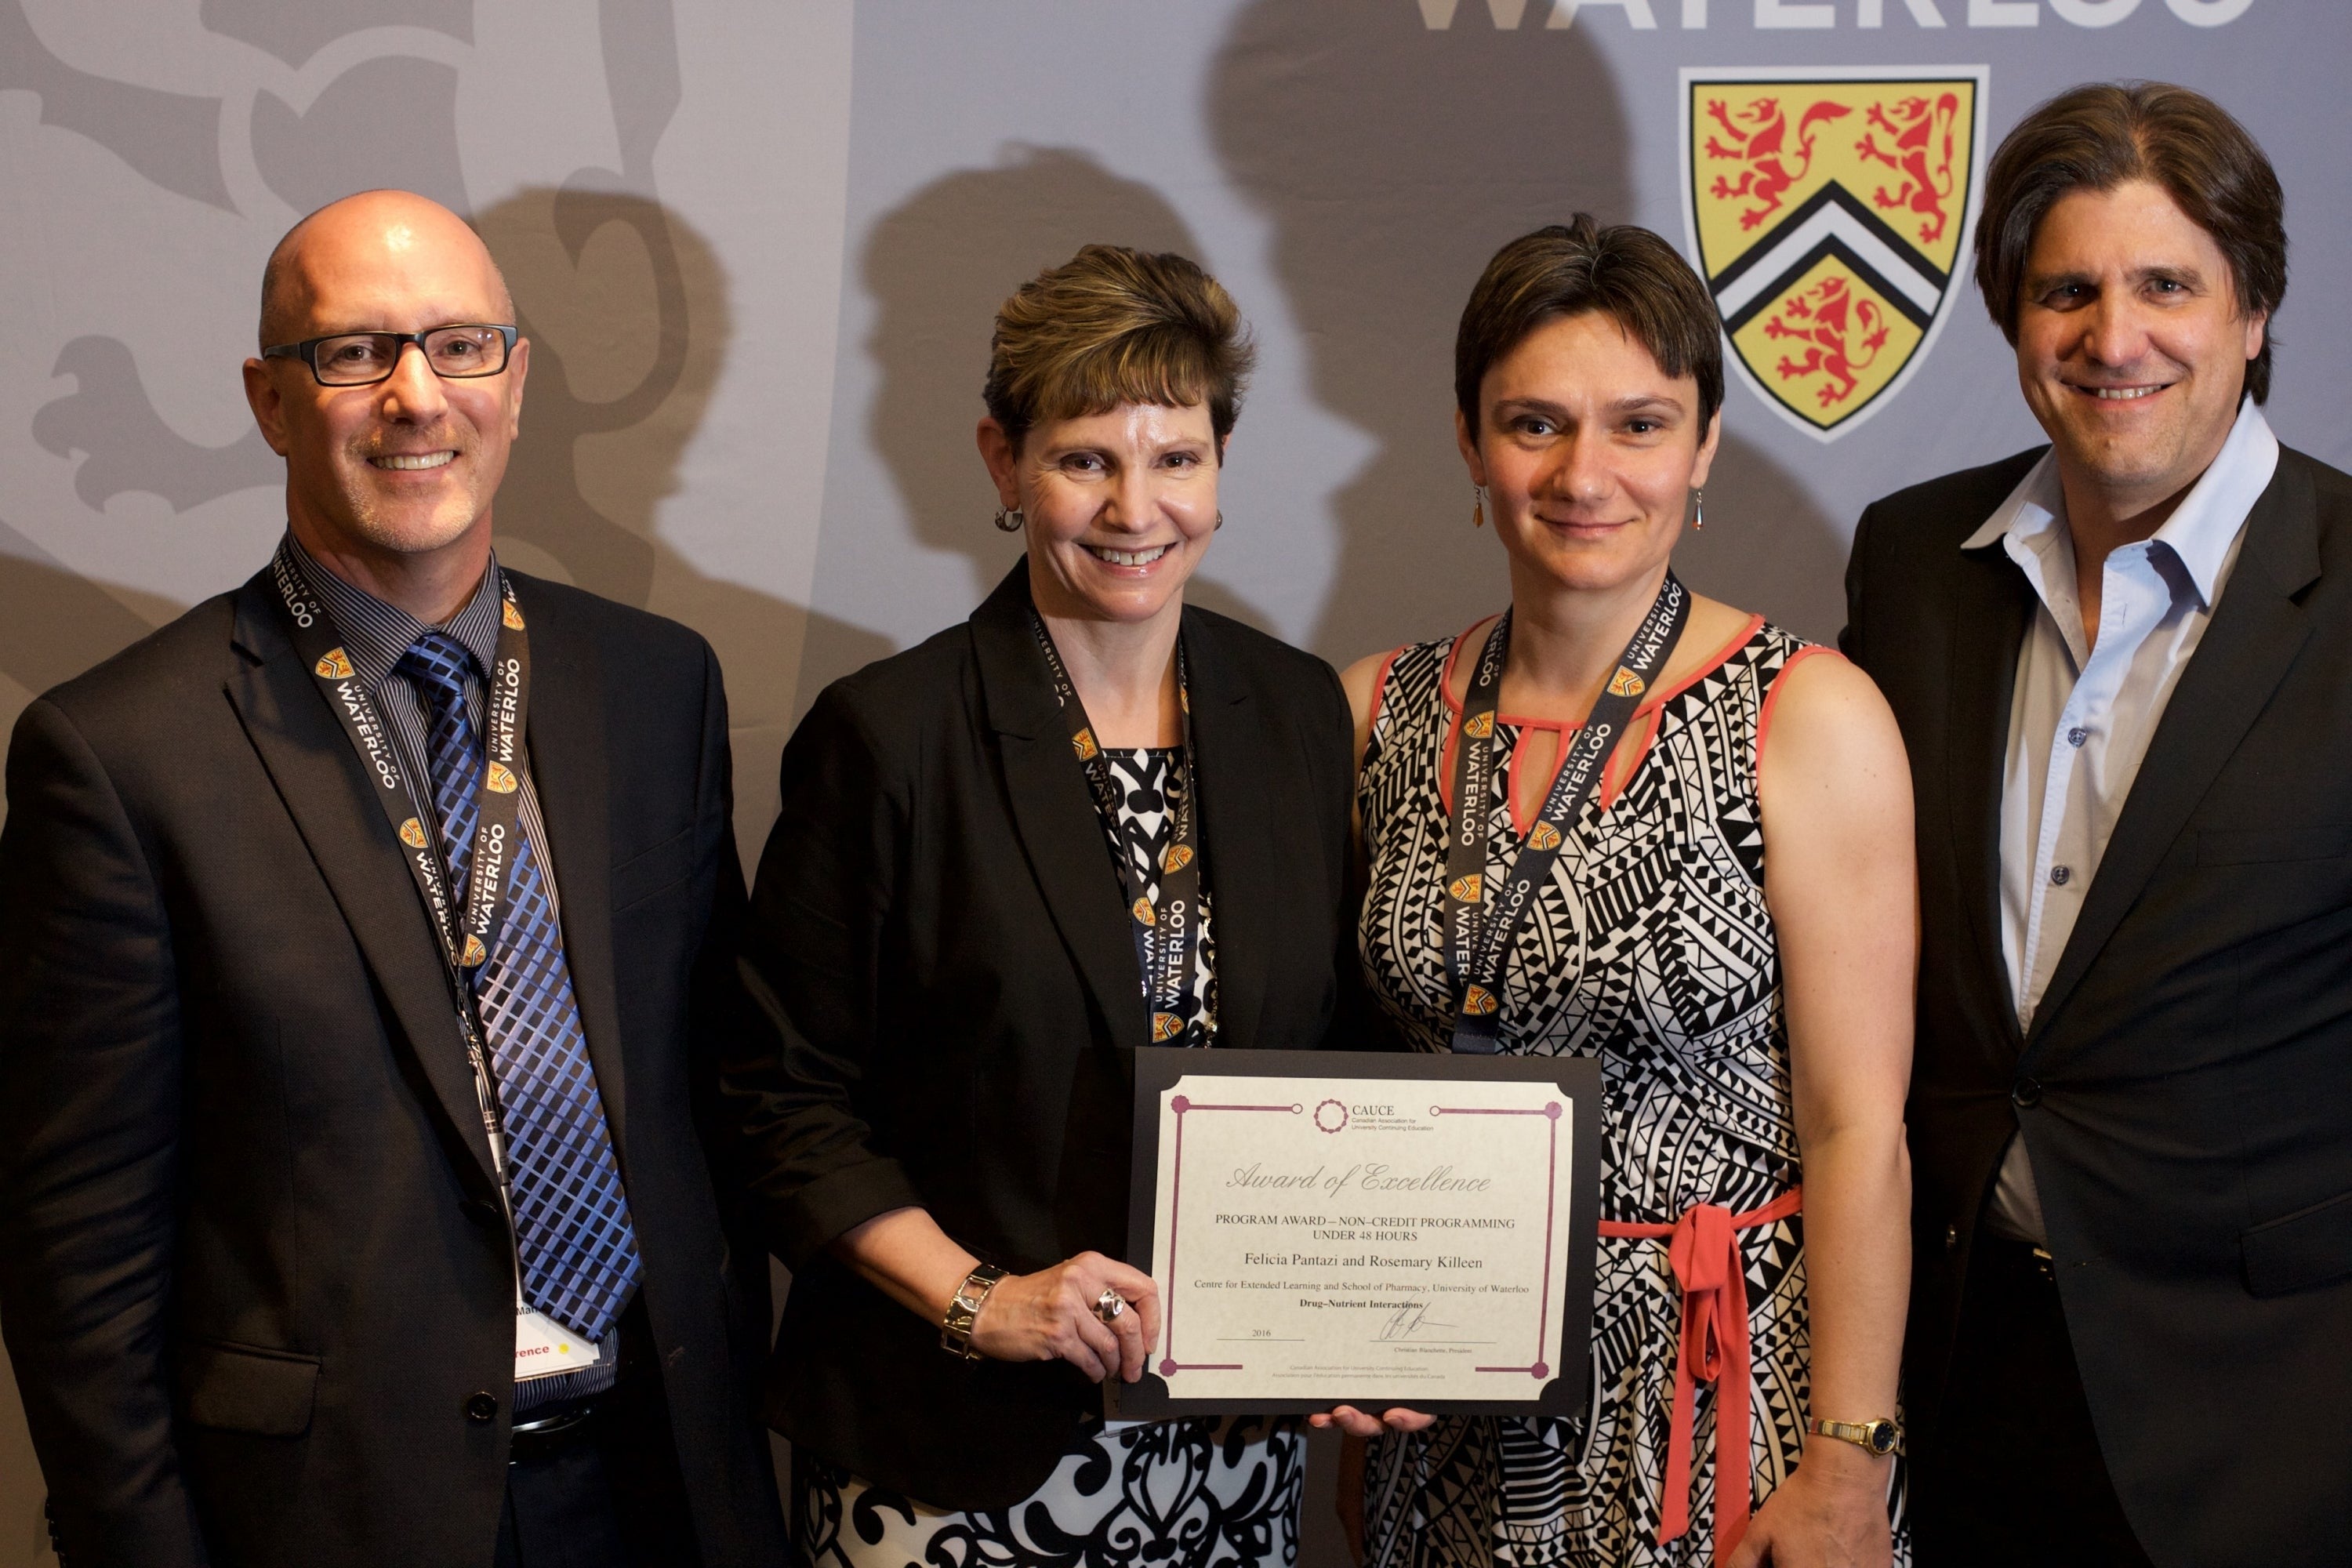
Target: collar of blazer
column 286, row 716
column 1054, row 814
column 2257, row 629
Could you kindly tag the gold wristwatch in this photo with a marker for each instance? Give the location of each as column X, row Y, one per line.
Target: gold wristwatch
column 955, row 1329
column 1881, row 1436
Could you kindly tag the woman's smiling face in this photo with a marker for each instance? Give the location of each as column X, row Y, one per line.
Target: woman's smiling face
column 1120, row 506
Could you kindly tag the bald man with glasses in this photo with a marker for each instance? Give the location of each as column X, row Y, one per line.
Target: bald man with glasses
column 363, row 961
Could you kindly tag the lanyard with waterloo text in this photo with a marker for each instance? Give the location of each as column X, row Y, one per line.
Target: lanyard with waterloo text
column 466, row 934
column 1478, row 942
column 1168, row 940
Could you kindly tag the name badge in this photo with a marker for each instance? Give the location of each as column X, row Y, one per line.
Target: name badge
column 545, row 1348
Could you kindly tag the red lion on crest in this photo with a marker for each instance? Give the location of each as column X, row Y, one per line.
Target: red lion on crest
column 1763, row 148
column 1827, row 311
column 1913, row 133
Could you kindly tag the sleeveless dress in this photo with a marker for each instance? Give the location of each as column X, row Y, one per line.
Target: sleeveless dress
column 1651, row 949
column 1202, row 1492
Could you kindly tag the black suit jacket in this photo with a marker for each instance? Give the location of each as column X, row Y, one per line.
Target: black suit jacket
column 2186, row 1089
column 253, row 1265
column 939, row 941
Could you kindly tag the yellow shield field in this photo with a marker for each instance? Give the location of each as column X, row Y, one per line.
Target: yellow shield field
column 1830, row 211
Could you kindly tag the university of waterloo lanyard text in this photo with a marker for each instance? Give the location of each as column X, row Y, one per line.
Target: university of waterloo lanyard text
column 1168, row 940
column 1478, row 941
column 465, row 933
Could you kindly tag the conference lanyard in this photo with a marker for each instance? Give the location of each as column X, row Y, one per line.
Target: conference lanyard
column 1478, row 941
column 1167, row 940
column 466, row 931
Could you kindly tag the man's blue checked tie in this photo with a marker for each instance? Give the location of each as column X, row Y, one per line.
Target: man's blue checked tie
column 579, row 1252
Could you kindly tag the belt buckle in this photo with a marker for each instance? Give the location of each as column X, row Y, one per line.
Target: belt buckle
column 536, row 1439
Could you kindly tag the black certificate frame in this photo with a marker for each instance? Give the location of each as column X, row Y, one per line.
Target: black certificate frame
column 1157, row 1070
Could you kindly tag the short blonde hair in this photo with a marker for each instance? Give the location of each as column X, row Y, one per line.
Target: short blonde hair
column 1114, row 326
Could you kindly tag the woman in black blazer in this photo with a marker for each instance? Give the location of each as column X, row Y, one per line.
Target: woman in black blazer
column 1085, row 820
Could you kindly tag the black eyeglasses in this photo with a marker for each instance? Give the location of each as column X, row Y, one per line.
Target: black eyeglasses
column 363, row 359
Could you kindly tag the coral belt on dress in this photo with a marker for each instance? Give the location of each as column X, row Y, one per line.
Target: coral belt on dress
column 1703, row 1248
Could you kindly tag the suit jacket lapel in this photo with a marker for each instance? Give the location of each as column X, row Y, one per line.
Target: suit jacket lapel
column 318, row 776
column 1233, row 767
column 569, row 775
column 2256, row 632
column 1993, row 604
column 1053, row 811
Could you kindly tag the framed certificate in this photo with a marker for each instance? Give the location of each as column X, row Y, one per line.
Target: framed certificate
column 1375, row 1229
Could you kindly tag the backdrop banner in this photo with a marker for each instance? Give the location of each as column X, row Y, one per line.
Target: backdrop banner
column 757, row 248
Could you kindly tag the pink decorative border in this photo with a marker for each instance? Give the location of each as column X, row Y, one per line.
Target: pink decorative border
column 1169, row 1366
column 1538, row 1369
column 1183, row 1105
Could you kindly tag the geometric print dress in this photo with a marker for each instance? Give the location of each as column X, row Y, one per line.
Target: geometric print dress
column 1651, row 948
column 1197, row 1492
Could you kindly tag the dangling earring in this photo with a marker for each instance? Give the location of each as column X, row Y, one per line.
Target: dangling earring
column 1477, row 506
column 1698, row 509
column 1221, row 521
column 1012, row 520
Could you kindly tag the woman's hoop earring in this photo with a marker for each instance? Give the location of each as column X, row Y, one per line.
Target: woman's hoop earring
column 1012, row 520
column 1221, row 521
column 1699, row 509
column 1477, row 506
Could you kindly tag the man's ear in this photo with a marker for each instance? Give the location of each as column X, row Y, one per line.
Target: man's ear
column 518, row 367
column 262, row 395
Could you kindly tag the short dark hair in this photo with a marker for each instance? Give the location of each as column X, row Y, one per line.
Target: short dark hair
column 2101, row 135
column 1623, row 272
column 1113, row 325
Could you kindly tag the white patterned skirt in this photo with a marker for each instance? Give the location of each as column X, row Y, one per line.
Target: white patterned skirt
column 1206, row 1492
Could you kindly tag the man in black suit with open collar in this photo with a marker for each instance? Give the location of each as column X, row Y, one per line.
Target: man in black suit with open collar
column 363, row 957
column 2123, row 666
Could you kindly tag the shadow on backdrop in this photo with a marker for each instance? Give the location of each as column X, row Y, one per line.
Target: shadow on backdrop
column 1392, row 160
column 626, row 308
column 936, row 267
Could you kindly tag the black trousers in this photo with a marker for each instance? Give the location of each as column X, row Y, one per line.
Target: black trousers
column 610, row 1497
column 2011, row 1476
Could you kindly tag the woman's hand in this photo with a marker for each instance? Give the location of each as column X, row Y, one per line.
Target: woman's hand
column 1831, row 1513
column 1050, row 1316
column 1357, row 1423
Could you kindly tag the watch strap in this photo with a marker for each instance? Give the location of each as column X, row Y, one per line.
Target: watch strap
column 1880, row 1437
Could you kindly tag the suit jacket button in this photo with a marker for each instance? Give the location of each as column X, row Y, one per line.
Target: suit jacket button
column 2026, row 1095
column 1951, row 1238
column 482, row 1406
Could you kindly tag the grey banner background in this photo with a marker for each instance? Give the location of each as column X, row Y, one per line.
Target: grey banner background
column 757, row 247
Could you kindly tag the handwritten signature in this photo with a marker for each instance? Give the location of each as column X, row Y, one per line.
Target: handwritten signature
column 1408, row 1320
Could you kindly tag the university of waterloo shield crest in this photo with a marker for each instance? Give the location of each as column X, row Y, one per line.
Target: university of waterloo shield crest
column 1831, row 212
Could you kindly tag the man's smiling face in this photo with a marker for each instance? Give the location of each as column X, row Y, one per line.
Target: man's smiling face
column 2131, row 347
column 410, row 464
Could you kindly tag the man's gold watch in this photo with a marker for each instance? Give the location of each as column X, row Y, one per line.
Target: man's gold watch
column 1881, row 1436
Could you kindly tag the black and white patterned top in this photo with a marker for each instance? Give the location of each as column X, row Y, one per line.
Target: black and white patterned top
column 1143, row 785
column 1651, row 948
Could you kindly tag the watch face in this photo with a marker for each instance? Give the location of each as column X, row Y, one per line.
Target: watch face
column 1882, row 1436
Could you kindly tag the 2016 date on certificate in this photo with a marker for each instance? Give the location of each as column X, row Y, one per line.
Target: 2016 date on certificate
column 1320, row 1239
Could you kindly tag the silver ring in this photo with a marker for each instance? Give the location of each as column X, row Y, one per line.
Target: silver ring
column 1109, row 1305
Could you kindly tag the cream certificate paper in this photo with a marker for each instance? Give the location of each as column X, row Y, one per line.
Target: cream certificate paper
column 1361, row 1239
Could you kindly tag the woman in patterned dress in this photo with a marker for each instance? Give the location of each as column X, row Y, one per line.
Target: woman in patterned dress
column 1728, row 926
column 1091, row 819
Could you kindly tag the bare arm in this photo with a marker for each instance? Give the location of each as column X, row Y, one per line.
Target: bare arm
column 1841, row 884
